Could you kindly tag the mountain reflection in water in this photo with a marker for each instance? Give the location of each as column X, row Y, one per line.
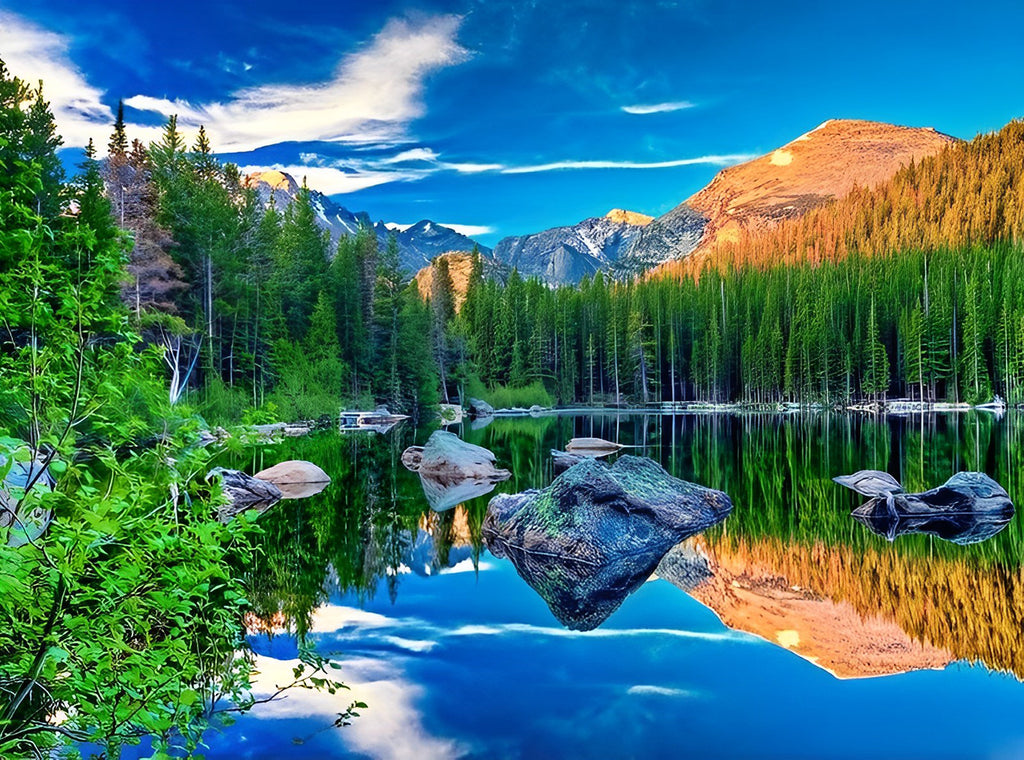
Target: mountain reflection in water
column 789, row 566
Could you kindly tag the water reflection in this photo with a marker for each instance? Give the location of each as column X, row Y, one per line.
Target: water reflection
column 968, row 508
column 841, row 596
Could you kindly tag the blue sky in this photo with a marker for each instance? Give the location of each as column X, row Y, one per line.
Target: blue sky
column 510, row 117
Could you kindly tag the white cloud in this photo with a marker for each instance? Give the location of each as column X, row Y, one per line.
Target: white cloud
column 644, row 109
column 33, row 53
column 537, row 630
column 661, row 691
column 334, row 181
column 471, row 168
column 374, row 93
column 413, row 154
column 390, row 728
column 715, row 160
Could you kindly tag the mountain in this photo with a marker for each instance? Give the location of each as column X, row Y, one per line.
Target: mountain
column 417, row 244
column 460, row 266
column 826, row 163
column 567, row 254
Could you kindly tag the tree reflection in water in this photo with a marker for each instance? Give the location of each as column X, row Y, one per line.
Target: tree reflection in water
column 790, row 529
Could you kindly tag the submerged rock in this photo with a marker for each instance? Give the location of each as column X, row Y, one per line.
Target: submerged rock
column 295, row 478
column 452, row 471
column 597, row 533
column 968, row 508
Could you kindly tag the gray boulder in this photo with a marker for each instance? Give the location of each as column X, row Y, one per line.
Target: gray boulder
column 295, row 478
column 23, row 520
column 244, row 490
column 563, row 460
column 452, row 471
column 479, row 408
column 597, row 533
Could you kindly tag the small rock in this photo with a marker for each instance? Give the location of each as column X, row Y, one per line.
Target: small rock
column 592, row 447
column 296, row 478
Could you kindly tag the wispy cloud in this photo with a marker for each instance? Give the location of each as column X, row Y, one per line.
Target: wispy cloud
column 714, row 160
column 352, row 174
column 33, row 53
column 372, row 97
column 644, row 109
column 337, row 181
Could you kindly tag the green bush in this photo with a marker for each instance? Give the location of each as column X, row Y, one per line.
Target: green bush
column 505, row 397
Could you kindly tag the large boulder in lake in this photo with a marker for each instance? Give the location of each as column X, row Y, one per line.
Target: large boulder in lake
column 968, row 508
column 597, row 532
column 295, row 478
column 452, row 471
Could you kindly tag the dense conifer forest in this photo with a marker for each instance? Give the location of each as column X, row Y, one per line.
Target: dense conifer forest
column 906, row 290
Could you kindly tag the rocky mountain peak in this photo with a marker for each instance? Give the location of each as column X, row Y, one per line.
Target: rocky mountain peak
column 634, row 218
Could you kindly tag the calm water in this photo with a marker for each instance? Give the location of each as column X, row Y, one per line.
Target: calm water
column 788, row 631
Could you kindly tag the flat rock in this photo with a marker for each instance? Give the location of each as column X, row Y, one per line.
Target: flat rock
column 293, row 471
column 592, row 447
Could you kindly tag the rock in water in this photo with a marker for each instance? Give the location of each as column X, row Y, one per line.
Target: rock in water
column 597, row 533
column 968, row 508
column 21, row 522
column 870, row 483
column 563, row 460
column 478, row 408
column 295, row 478
column 592, row 447
column 451, row 470
column 244, row 490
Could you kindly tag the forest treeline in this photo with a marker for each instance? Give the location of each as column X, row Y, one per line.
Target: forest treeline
column 944, row 324
column 254, row 304
column 910, row 289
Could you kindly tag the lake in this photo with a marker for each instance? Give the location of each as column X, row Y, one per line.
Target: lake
column 789, row 630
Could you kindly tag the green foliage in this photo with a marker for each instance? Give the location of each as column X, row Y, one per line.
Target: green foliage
column 121, row 616
column 505, row 397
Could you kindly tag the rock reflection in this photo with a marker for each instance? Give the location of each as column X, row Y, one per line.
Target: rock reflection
column 968, row 508
column 596, row 533
column 959, row 527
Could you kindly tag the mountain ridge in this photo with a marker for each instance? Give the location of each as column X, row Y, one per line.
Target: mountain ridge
column 418, row 244
column 826, row 163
